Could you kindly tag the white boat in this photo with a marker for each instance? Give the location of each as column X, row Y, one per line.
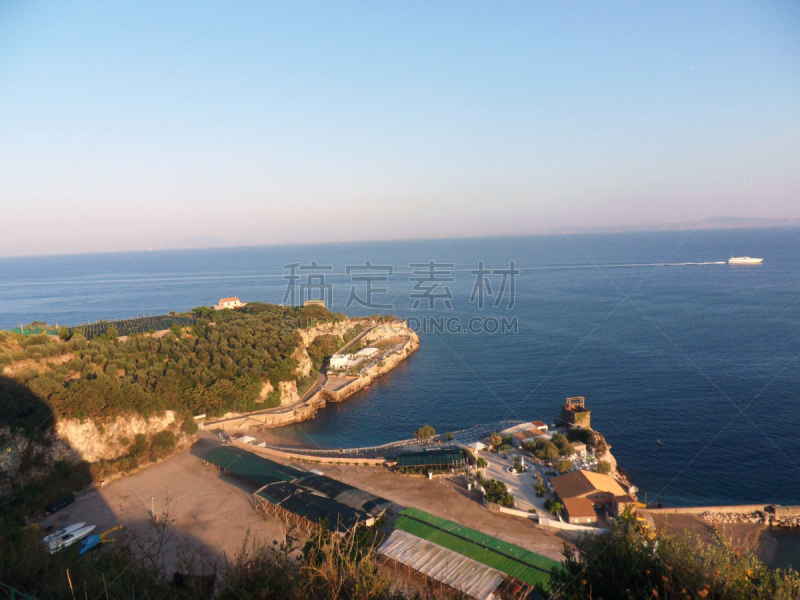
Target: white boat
column 49, row 539
column 744, row 260
column 70, row 538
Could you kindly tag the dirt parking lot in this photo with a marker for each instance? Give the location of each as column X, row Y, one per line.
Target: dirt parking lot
column 212, row 512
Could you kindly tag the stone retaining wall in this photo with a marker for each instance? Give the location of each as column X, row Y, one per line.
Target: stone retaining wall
column 696, row 510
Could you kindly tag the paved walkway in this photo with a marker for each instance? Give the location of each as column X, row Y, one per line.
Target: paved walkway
column 520, row 485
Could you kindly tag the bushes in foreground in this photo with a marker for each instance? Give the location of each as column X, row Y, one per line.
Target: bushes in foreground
column 635, row 562
column 135, row 566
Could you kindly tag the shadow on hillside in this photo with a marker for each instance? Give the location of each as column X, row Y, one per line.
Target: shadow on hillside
column 21, row 409
column 36, row 477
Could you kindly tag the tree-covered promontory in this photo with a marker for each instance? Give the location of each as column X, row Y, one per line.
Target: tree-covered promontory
column 220, row 363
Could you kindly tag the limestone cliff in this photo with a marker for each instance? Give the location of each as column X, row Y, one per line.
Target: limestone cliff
column 24, row 459
column 93, row 441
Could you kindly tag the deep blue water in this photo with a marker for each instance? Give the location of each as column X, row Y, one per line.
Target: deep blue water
column 703, row 357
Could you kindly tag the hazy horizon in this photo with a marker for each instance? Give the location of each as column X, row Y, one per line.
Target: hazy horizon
column 147, row 127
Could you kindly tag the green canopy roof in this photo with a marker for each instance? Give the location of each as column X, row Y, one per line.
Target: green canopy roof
column 252, row 467
column 507, row 558
column 431, row 458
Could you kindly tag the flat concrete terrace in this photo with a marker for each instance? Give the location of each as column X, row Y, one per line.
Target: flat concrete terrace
column 336, row 384
column 520, row 485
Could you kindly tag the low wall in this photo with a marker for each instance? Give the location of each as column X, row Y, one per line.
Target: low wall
column 273, row 418
column 347, row 390
column 741, row 509
column 548, row 522
column 518, row 513
column 332, row 460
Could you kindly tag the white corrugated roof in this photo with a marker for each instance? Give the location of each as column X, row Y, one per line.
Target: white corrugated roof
column 457, row 571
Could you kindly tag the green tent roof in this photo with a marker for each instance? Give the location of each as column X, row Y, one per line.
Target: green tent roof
column 431, row 458
column 507, row 558
column 252, row 467
column 311, row 506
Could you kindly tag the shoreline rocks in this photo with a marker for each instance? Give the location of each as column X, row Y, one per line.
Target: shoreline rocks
column 757, row 517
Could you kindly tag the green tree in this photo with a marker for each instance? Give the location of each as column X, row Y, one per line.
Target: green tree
column 603, row 467
column 449, row 435
column 554, row 506
column 481, row 463
column 189, row 425
column 497, row 492
column 495, row 440
column 564, row 466
column 539, row 486
column 542, row 449
column 323, row 347
column 425, row 433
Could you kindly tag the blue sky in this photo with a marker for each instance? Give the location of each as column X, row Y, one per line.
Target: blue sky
column 139, row 125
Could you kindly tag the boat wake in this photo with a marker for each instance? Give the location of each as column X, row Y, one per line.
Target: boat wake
column 624, row 265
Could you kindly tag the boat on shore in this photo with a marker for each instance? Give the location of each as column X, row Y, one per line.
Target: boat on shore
column 53, row 537
column 69, row 539
column 744, row 260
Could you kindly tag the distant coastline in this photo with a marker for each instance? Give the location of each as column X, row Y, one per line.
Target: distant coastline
column 711, row 223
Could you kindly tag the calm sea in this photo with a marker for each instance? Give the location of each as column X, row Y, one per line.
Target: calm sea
column 664, row 342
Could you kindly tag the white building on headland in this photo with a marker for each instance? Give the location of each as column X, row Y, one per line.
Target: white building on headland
column 338, row 361
column 233, row 302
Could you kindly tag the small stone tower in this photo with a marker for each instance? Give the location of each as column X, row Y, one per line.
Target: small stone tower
column 574, row 412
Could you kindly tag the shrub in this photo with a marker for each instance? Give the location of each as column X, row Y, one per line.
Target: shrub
column 425, row 433
column 139, row 445
column 603, row 467
column 497, row 493
column 553, row 505
column 163, row 441
column 189, row 425
column 542, row 449
column 564, row 466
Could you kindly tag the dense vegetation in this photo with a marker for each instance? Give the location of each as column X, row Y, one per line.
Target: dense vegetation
column 218, row 364
column 497, row 492
column 323, row 347
column 636, row 562
column 550, row 449
column 424, row 433
column 131, row 326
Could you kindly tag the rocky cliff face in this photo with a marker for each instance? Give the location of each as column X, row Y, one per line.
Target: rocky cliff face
column 92, row 441
column 289, row 393
column 312, row 333
column 23, row 459
column 304, row 366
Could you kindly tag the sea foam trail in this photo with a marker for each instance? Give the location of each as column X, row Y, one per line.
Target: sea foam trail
column 623, row 266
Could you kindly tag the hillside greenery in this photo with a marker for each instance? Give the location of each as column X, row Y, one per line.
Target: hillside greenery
column 219, row 363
